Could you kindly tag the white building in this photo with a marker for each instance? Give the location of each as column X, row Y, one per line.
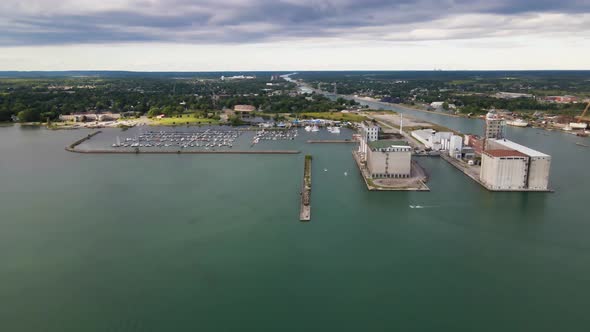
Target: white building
column 389, row 159
column 495, row 126
column 432, row 139
column 539, row 164
column 369, row 133
column 456, row 146
column 504, row 169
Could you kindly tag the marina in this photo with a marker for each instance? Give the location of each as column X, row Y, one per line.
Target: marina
column 207, row 139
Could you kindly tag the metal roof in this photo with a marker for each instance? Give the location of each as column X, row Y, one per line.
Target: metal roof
column 384, row 144
column 520, row 148
column 504, row 153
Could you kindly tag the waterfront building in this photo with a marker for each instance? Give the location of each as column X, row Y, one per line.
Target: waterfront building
column 456, row 146
column 474, row 142
column 504, row 169
column 539, row 164
column 432, row 139
column 495, row 126
column 369, row 132
column 389, row 159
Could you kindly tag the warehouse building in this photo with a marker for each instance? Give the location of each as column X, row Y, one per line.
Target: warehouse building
column 389, row 159
column 504, row 169
column 432, row 139
column 539, row 164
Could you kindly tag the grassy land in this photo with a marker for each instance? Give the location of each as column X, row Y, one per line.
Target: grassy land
column 334, row 116
column 184, row 120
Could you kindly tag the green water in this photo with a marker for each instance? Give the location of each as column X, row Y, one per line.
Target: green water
column 213, row 243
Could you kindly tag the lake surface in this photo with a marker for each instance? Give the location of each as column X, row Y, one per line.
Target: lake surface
column 213, row 242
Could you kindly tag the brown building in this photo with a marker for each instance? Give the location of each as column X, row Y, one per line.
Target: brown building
column 244, row 111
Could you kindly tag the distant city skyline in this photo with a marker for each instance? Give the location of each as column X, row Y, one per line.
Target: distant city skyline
column 248, row 35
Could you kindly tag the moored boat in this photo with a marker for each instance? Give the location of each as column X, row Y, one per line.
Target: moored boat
column 517, row 123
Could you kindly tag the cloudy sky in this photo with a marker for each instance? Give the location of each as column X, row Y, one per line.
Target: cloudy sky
column 195, row 35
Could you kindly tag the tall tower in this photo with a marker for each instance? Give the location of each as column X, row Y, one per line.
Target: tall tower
column 494, row 127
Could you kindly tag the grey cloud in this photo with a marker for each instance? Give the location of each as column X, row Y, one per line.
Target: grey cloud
column 248, row 21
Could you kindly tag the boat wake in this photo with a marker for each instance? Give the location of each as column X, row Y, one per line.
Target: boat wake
column 421, row 207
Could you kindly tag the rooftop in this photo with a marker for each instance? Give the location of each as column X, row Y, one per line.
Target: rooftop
column 520, row 148
column 244, row 108
column 384, row 144
column 505, row 153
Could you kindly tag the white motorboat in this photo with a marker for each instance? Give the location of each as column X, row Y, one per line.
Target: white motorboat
column 578, row 125
column 517, row 123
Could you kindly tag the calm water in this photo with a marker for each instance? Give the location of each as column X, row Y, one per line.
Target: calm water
column 213, row 243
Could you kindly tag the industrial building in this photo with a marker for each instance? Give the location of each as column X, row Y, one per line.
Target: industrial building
column 432, row 139
column 539, row 164
column 389, row 159
column 494, row 127
column 504, row 169
column 456, row 147
column 369, row 133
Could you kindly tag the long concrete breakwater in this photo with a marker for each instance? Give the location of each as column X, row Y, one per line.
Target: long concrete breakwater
column 73, row 146
column 183, row 151
column 305, row 212
column 318, row 141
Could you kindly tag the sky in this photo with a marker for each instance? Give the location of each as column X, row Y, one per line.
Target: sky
column 247, row 35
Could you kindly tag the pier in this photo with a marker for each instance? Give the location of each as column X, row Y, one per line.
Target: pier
column 72, row 147
column 305, row 213
column 184, row 151
column 335, row 141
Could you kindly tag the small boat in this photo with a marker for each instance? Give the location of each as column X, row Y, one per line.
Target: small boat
column 345, row 173
column 315, row 129
column 517, row 123
column 582, row 144
column 578, row 125
column 325, row 169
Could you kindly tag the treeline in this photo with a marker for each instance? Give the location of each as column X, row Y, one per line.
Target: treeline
column 43, row 99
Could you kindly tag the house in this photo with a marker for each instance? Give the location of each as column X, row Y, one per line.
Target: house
column 244, row 111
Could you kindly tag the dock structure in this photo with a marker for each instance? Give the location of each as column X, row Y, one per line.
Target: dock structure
column 72, row 147
column 319, row 141
column 183, row 151
column 305, row 213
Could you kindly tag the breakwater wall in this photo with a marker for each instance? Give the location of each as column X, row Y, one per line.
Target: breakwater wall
column 316, row 141
column 72, row 147
column 183, row 152
column 305, row 212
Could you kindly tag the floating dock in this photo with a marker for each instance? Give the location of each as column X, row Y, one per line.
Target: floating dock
column 305, row 212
